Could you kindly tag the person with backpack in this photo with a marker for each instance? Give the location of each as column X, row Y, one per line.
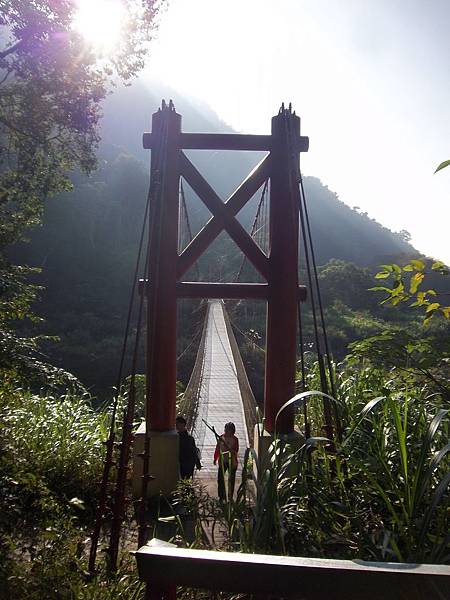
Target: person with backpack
column 188, row 452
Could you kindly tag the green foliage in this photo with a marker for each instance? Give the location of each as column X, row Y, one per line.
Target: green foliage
column 407, row 284
column 379, row 494
column 443, row 164
column 51, row 448
column 51, row 88
column 50, row 465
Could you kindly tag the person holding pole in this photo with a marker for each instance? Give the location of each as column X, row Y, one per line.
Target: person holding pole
column 226, row 454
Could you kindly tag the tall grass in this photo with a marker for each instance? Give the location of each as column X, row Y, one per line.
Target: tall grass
column 50, row 465
column 58, row 439
column 381, row 493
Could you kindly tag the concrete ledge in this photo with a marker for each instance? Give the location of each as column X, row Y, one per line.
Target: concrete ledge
column 164, row 462
column 263, row 442
column 163, row 565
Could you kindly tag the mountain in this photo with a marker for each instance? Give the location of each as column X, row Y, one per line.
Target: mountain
column 88, row 241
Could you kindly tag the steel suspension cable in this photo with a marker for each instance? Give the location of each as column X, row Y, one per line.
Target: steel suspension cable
column 101, row 507
column 294, row 172
column 120, row 491
column 254, row 227
column 187, row 223
column 321, row 312
column 127, row 431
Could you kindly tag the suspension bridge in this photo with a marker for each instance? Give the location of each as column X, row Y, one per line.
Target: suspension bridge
column 218, row 390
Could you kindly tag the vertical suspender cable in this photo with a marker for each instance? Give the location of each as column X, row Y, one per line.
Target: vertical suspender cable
column 254, row 229
column 120, row 491
column 294, row 170
column 127, row 432
column 319, row 299
column 101, row 507
column 186, row 225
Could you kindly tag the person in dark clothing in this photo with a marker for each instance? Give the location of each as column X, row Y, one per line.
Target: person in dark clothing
column 188, row 452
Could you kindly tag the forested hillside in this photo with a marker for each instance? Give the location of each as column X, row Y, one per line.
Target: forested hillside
column 87, row 244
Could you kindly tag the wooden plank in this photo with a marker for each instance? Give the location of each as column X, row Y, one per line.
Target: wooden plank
column 306, row 578
column 223, row 141
column 215, row 205
column 214, row 226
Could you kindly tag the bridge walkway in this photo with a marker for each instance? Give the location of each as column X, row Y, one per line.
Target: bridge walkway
column 223, row 393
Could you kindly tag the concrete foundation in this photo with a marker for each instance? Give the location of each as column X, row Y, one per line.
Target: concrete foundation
column 164, row 462
column 263, row 441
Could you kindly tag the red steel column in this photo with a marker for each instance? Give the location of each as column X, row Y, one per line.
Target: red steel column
column 162, row 300
column 283, row 277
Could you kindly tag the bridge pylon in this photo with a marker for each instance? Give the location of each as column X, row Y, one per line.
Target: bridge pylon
column 278, row 267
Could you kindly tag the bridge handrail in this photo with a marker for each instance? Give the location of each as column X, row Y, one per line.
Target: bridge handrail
column 189, row 403
column 164, row 566
column 248, row 399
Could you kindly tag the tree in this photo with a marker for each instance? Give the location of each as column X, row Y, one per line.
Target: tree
column 51, row 88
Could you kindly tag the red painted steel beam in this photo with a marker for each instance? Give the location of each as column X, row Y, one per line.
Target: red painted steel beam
column 215, row 205
column 223, row 141
column 281, row 339
column 214, row 226
column 229, row 291
column 163, row 258
column 236, row 291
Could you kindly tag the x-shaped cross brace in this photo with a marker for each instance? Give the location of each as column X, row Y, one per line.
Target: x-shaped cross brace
column 224, row 214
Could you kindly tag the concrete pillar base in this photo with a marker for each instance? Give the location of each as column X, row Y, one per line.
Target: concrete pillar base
column 263, row 440
column 164, row 462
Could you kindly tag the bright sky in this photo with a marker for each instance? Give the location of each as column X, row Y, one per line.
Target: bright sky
column 370, row 79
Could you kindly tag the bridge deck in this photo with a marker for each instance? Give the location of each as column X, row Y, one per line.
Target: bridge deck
column 219, row 398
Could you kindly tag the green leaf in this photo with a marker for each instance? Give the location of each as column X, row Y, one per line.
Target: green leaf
column 444, row 164
column 382, row 275
column 408, row 268
column 427, row 320
column 446, row 311
column 416, row 280
column 418, row 264
column 432, row 307
column 437, row 265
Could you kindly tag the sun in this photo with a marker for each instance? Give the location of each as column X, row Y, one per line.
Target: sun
column 100, row 22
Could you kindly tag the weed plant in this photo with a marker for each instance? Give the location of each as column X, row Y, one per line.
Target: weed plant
column 381, row 493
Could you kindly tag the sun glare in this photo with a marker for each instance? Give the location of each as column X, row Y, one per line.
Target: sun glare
column 100, row 22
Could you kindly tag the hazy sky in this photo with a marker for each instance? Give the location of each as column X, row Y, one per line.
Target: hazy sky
column 369, row 78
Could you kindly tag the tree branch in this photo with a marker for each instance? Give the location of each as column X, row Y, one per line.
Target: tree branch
column 12, row 48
